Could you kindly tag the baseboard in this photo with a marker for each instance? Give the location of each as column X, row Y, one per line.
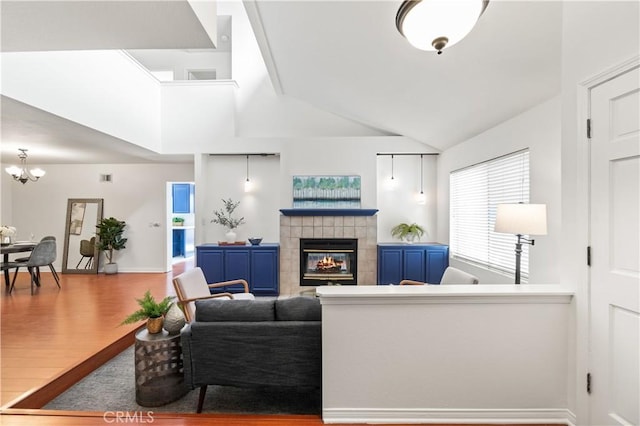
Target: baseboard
column 450, row 416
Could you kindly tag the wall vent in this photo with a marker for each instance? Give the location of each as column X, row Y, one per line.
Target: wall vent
column 201, row 74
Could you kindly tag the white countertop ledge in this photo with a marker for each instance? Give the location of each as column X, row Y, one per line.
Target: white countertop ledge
column 441, row 294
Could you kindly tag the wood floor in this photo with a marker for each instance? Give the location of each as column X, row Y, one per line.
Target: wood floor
column 53, row 338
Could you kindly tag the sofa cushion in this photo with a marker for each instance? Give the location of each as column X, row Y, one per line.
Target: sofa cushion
column 298, row 308
column 235, row 310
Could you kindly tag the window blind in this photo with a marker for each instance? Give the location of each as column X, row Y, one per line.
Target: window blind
column 475, row 193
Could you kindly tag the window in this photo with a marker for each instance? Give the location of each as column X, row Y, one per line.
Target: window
column 475, row 193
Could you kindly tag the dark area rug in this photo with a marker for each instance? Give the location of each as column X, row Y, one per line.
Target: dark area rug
column 112, row 388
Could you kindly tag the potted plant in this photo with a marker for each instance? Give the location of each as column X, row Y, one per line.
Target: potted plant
column 178, row 221
column 225, row 218
column 109, row 239
column 7, row 233
column 150, row 310
column 407, row 232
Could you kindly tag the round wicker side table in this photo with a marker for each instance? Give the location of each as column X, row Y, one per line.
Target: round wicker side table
column 159, row 374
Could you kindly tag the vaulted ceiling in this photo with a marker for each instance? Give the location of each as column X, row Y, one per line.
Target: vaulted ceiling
column 344, row 57
column 348, row 58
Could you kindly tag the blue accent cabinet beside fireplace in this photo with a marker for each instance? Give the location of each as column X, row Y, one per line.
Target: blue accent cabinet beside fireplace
column 259, row 265
column 419, row 262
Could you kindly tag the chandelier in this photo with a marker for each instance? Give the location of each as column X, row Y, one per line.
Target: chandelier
column 21, row 174
column 436, row 24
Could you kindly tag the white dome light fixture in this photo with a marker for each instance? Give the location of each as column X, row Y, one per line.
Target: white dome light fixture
column 435, row 24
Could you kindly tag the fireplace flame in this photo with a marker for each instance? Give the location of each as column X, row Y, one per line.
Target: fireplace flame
column 328, row 262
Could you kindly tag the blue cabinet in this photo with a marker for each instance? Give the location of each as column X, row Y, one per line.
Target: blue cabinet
column 182, row 197
column 419, row 262
column 259, row 265
column 183, row 242
column 178, row 242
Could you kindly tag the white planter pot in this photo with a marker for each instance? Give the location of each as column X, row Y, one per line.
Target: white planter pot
column 111, row 268
column 231, row 236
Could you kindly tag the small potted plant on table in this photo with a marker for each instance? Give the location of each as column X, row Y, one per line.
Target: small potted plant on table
column 150, row 310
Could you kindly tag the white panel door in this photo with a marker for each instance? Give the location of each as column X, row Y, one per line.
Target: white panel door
column 615, row 244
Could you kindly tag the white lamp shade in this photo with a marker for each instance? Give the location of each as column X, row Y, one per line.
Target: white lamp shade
column 524, row 219
column 428, row 20
column 38, row 173
column 14, row 170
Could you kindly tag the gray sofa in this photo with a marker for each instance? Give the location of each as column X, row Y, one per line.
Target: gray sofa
column 249, row 343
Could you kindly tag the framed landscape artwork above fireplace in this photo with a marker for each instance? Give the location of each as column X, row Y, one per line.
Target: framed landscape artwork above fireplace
column 330, row 192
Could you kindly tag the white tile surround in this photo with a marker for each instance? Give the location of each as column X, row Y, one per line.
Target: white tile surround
column 292, row 228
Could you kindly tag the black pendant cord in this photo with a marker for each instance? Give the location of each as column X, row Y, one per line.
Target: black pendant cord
column 421, row 174
column 392, row 167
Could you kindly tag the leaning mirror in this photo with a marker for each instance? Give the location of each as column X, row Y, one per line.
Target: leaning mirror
column 81, row 254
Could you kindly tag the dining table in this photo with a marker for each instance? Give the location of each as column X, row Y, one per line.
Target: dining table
column 17, row 247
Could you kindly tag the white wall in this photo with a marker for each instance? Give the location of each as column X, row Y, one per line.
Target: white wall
column 226, row 176
column 137, row 195
column 181, row 62
column 196, row 115
column 223, row 177
column 104, row 90
column 597, row 35
column 397, row 202
column 489, row 354
column 539, row 130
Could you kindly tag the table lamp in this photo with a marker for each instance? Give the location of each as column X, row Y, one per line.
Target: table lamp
column 521, row 219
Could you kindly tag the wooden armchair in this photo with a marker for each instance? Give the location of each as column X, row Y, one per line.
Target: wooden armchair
column 192, row 285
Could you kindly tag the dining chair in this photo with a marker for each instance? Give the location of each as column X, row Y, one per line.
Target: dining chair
column 43, row 254
column 192, row 285
column 53, row 271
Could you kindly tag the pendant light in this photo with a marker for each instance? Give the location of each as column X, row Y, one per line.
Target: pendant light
column 392, row 178
column 392, row 182
column 421, row 198
column 436, row 24
column 247, row 183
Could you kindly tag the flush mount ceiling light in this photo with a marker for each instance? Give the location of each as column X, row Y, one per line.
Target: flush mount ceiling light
column 22, row 174
column 436, row 24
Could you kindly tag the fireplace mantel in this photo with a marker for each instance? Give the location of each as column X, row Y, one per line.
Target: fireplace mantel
column 328, row 212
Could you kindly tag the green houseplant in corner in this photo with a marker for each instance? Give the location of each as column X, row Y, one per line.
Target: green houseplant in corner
column 408, row 232
column 150, row 310
column 110, row 239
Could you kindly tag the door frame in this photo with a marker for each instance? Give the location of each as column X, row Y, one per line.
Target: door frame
column 583, row 201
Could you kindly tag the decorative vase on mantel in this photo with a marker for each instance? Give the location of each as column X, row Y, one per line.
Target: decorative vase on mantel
column 230, row 236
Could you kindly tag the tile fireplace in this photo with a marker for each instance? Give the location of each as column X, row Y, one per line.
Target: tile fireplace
column 296, row 226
